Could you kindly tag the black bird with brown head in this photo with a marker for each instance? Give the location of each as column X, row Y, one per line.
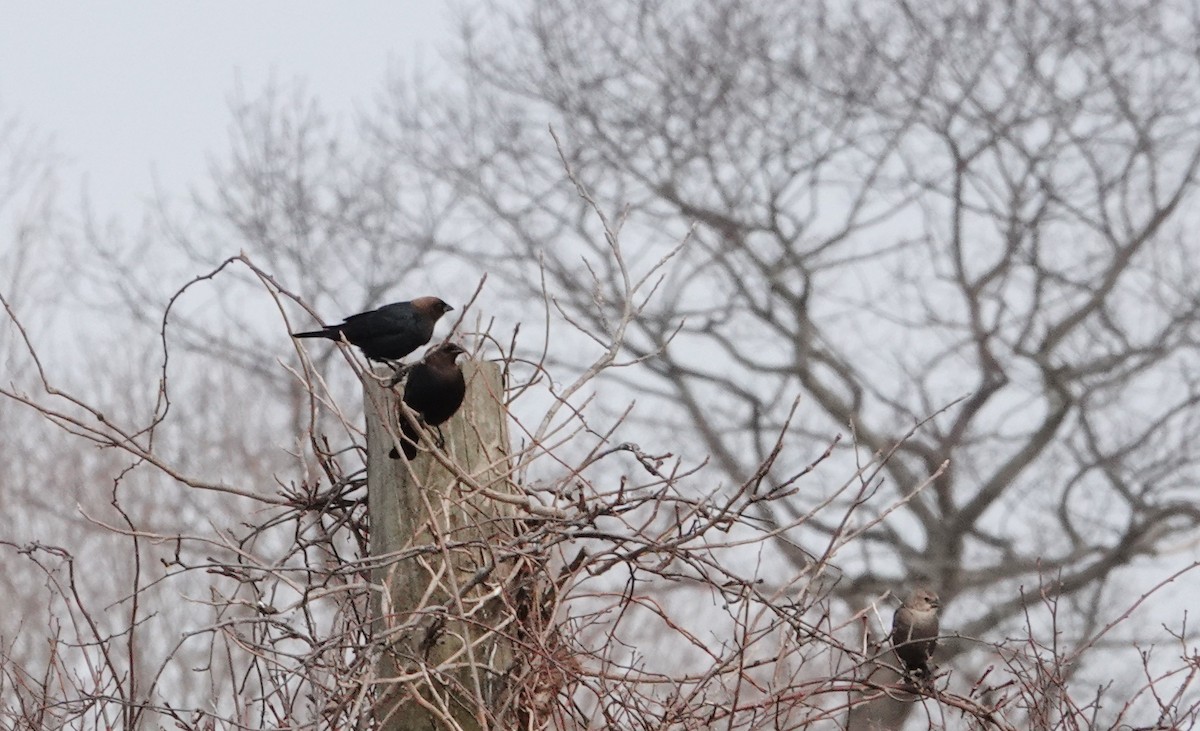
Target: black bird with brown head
column 435, row 390
column 390, row 332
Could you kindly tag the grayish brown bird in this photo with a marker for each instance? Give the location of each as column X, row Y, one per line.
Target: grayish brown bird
column 389, row 333
column 915, row 631
column 435, row 390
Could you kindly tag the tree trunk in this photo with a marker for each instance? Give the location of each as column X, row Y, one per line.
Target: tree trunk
column 434, row 538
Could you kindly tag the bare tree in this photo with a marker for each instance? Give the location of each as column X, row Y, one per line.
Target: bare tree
column 892, row 208
column 607, row 555
column 956, row 235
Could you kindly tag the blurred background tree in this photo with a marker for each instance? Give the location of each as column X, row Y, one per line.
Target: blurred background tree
column 892, row 206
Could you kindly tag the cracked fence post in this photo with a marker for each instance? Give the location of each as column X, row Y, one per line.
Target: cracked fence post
column 439, row 612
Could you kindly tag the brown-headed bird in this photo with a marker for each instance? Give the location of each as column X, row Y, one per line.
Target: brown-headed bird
column 434, row 390
column 915, row 630
column 390, row 332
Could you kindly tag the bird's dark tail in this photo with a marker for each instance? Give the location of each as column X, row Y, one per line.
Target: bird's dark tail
column 408, row 441
column 329, row 332
column 409, row 447
column 409, row 436
column 410, row 451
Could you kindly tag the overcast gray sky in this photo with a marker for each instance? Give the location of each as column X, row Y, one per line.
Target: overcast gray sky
column 133, row 89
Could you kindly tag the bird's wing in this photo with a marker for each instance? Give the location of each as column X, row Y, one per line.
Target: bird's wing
column 361, row 318
column 387, row 320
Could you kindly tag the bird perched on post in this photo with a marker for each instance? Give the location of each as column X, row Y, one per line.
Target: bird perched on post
column 435, row 390
column 390, row 332
column 915, row 631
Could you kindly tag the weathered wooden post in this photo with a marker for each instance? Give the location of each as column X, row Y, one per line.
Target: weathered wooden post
column 434, row 539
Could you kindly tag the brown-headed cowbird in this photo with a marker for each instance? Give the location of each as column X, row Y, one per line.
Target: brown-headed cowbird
column 390, row 332
column 434, row 390
column 915, row 630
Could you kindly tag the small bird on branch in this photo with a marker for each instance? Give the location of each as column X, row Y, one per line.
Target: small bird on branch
column 915, row 631
column 389, row 333
column 435, row 390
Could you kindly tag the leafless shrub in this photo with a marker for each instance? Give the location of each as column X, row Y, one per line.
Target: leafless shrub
column 650, row 597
